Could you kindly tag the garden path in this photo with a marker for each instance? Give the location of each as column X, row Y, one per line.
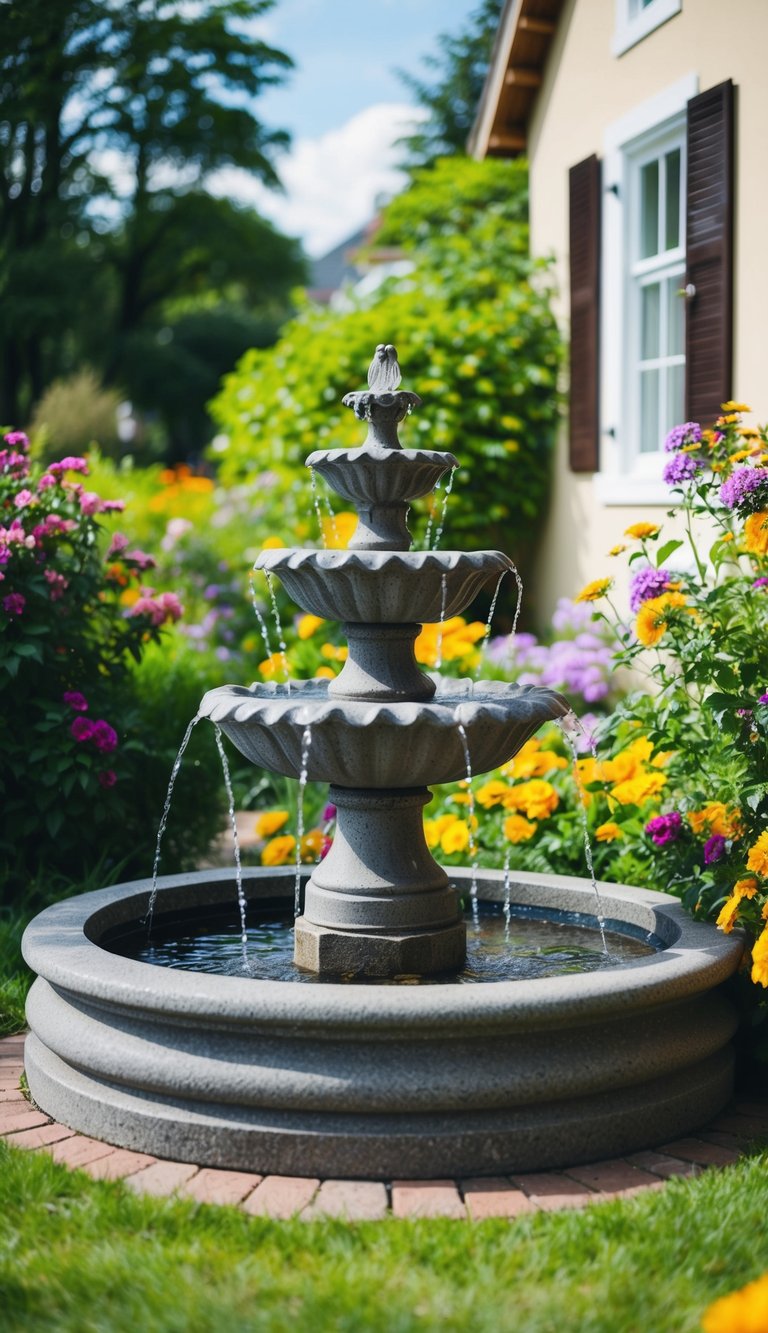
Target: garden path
column 722, row 1142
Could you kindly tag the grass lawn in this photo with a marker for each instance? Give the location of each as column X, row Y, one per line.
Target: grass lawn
column 77, row 1255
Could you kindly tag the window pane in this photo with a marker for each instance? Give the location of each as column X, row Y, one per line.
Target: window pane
column 675, row 410
column 675, row 317
column 649, row 209
column 649, row 411
column 650, row 301
column 673, row 199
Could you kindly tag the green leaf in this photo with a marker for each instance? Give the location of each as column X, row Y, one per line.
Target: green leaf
column 666, row 551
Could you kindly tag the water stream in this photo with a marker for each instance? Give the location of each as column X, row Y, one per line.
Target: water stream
column 440, row 630
column 283, row 647
column 306, row 742
column 261, row 621
column 571, row 720
column 441, row 523
column 164, row 818
column 316, row 505
column 473, row 849
column 241, row 903
column 507, row 893
column 431, row 520
column 487, row 631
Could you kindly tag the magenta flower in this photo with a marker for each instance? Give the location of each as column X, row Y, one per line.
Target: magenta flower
column 16, row 439
column 68, row 464
column 763, row 699
column 23, row 498
column 112, row 506
column 14, row 604
column 81, row 729
column 47, row 480
column 141, row 560
column 104, row 737
column 329, row 812
column 118, row 544
column 665, row 828
column 75, row 700
column 90, row 503
column 760, row 583
column 58, row 583
column 107, row 778
column 714, row 849
column 326, row 847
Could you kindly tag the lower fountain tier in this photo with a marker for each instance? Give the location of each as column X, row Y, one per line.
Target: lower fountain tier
column 384, row 587
column 373, row 744
column 378, row 1081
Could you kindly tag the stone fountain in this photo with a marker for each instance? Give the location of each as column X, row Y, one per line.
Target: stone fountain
column 378, row 1079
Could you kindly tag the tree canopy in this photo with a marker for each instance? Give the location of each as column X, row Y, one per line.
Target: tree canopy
column 113, row 116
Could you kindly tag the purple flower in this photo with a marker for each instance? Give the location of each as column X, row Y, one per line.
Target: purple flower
column 103, row 736
column 739, row 491
column 82, row 729
column 107, row 778
column 16, row 439
column 680, row 468
column 646, row 583
column 14, row 604
column 760, row 583
column 763, row 699
column 75, row 700
column 679, row 436
column 329, row 812
column 665, row 828
column 714, row 849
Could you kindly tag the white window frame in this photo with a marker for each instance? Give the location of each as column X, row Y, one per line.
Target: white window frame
column 627, row 477
column 634, row 22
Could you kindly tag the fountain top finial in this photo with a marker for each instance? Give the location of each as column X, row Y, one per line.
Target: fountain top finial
column 384, row 373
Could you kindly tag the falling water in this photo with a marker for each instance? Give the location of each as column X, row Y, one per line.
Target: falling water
column 441, row 523
column 278, row 628
column 487, row 631
column 316, row 504
column 260, row 618
column 473, row 851
column 431, row 520
column 332, row 517
column 306, row 741
column 235, row 843
column 519, row 583
column 571, row 720
column 164, row 818
column 440, row 630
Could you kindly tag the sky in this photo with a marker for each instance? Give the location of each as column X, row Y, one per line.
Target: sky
column 344, row 106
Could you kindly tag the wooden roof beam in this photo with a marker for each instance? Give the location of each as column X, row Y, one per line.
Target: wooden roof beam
column 522, row 77
column 507, row 141
column 541, row 27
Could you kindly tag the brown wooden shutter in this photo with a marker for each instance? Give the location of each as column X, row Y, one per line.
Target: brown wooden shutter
column 584, row 413
column 709, row 252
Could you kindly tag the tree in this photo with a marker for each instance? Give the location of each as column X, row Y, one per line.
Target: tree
column 156, row 93
column 451, row 100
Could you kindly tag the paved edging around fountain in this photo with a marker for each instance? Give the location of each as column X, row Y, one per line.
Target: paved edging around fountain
column 336, row 1081
column 717, row 1145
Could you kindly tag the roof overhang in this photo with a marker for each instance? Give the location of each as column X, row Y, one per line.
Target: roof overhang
column 526, row 29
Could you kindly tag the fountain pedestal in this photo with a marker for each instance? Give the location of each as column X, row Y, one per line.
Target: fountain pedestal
column 379, row 904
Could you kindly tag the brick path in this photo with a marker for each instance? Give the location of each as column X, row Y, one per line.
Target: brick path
column 722, row 1142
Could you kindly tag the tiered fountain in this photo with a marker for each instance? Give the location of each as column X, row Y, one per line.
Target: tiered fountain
column 379, row 1080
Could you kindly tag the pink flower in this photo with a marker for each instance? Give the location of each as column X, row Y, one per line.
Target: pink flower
column 103, row 736
column 159, row 609
column 141, row 560
column 17, row 439
column 90, row 503
column 58, row 584
column 14, row 604
column 22, row 499
column 326, row 847
column 107, row 778
column 69, row 464
column 82, row 729
column 10, row 461
column 171, row 606
column 45, row 481
column 117, row 545
column 75, row 700
column 112, row 506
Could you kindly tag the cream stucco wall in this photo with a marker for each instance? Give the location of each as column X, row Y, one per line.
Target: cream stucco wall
column 584, row 90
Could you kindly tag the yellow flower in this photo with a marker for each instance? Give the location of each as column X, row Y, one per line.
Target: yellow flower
column 517, row 829
column 628, row 762
column 756, row 533
column 272, row 666
column 735, row 407
column 272, row 544
column 455, row 838
column 307, row 626
column 451, row 640
column 435, row 828
column 638, row 789
column 269, row 822
column 278, row 851
column 749, row 433
column 312, row 844
column 757, row 861
column 730, row 419
column 740, row 455
column 333, row 654
column 743, row 1311
column 642, row 530
column 608, row 832
column 337, row 531
column 537, row 799
column 491, row 794
column 130, row 596
column 592, row 592
column 617, row 550
column 325, row 673
column 653, row 619
column 743, row 888
column 715, row 818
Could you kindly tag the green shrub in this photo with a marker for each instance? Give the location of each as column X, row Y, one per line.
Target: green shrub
column 72, row 413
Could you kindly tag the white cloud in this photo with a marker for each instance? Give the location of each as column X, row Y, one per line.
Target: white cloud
column 331, row 182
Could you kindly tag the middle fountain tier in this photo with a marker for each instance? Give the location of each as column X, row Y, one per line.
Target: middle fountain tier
column 383, row 730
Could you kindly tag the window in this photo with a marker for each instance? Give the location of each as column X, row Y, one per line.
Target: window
column 636, row 18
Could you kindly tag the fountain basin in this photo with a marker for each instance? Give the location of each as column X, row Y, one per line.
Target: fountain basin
column 357, row 743
column 378, row 1081
column 384, row 587
column 375, row 474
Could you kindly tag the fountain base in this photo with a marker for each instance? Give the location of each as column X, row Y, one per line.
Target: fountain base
column 370, row 954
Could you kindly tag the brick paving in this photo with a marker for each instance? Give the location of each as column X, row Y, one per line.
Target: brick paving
column 722, row 1142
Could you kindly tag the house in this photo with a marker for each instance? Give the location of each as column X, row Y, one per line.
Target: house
column 646, row 127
